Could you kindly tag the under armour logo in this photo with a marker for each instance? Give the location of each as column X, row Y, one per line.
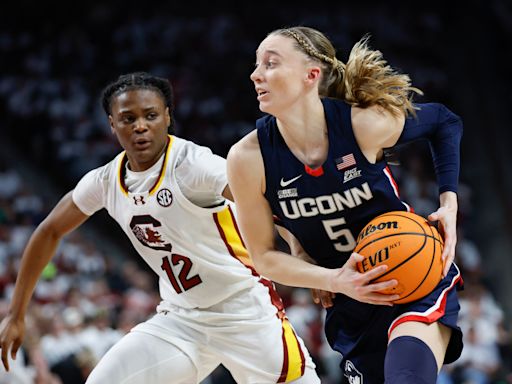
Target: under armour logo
column 139, row 200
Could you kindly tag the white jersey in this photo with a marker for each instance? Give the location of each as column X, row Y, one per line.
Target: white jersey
column 197, row 252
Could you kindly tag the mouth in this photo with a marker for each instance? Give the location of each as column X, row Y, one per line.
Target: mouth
column 142, row 144
column 261, row 93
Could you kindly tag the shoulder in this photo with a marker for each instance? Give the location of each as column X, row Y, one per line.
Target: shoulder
column 179, row 143
column 244, row 158
column 245, row 149
column 376, row 126
column 376, row 117
column 245, row 168
column 189, row 151
column 106, row 171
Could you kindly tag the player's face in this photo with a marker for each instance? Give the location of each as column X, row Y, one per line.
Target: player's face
column 139, row 119
column 280, row 74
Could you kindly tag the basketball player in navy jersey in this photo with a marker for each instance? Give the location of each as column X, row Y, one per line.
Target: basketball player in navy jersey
column 315, row 166
column 169, row 196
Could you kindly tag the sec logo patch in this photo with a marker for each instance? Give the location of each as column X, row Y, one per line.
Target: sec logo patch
column 164, row 197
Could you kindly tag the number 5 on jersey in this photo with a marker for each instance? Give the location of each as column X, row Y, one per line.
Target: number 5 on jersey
column 346, row 241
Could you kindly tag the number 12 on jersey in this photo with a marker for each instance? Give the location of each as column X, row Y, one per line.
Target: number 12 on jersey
column 182, row 282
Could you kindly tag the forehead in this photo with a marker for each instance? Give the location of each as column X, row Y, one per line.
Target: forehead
column 142, row 98
column 278, row 44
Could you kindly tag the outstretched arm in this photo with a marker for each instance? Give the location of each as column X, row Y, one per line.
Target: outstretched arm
column 40, row 249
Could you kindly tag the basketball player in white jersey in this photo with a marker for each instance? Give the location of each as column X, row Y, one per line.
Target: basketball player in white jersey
column 168, row 195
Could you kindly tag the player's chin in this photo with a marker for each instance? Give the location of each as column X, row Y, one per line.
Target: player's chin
column 143, row 155
column 262, row 107
column 266, row 107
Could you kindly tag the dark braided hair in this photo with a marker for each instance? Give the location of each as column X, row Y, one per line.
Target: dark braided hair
column 135, row 81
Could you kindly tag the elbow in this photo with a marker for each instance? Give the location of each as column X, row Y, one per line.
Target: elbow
column 48, row 231
column 451, row 119
column 262, row 265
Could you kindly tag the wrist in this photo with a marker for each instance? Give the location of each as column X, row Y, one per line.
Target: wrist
column 448, row 200
column 330, row 280
column 16, row 314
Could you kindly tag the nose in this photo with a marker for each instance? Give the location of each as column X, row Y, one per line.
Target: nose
column 140, row 126
column 256, row 75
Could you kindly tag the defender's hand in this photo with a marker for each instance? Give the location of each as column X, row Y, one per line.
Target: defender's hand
column 322, row 297
column 12, row 332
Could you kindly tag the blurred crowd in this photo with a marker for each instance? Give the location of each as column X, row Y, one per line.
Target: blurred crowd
column 52, row 74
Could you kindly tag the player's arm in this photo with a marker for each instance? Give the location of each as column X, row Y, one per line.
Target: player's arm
column 443, row 130
column 319, row 296
column 41, row 247
column 246, row 180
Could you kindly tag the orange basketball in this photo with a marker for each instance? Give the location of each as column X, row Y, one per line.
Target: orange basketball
column 409, row 246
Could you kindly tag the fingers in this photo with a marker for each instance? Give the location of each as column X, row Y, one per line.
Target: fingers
column 327, row 299
column 383, row 285
column 5, row 360
column 14, row 350
column 447, row 257
column 315, row 295
column 374, row 273
column 322, row 297
column 374, row 293
column 379, row 299
column 354, row 259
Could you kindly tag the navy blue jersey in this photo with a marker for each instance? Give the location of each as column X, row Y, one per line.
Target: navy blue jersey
column 325, row 208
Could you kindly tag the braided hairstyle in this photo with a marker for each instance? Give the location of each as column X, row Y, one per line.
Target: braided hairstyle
column 365, row 79
column 135, row 81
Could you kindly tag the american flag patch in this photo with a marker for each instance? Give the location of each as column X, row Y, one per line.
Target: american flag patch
column 345, row 161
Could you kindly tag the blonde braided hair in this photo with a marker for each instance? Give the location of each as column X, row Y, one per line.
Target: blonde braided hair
column 365, row 80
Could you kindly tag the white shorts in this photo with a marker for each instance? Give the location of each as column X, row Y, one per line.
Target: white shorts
column 245, row 333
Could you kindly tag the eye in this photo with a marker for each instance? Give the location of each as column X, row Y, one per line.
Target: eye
column 127, row 119
column 152, row 116
column 270, row 64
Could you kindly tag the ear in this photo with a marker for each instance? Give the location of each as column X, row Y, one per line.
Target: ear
column 167, row 117
column 111, row 122
column 314, row 74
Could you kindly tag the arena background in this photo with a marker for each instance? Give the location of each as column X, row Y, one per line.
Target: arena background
column 54, row 60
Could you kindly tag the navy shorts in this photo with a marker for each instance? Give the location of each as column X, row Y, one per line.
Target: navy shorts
column 360, row 331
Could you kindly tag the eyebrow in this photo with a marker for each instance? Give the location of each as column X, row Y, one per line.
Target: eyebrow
column 151, row 108
column 270, row 52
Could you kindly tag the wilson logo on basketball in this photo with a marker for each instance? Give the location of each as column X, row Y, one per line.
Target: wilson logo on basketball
column 371, row 228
